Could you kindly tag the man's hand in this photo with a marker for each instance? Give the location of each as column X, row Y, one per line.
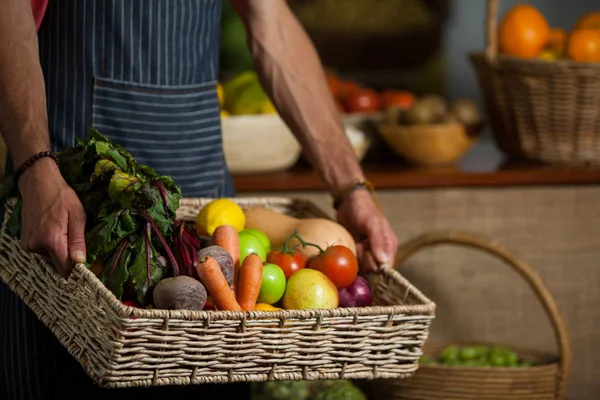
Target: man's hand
column 53, row 217
column 376, row 242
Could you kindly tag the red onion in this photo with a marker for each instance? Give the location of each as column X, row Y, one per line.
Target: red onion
column 358, row 294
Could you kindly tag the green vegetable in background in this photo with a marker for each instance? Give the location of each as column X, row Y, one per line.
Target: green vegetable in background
column 130, row 212
column 476, row 356
column 307, row 390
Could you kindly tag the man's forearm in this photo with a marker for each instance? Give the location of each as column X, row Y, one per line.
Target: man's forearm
column 291, row 72
column 23, row 117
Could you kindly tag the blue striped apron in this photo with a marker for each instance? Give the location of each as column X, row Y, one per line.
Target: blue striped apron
column 143, row 72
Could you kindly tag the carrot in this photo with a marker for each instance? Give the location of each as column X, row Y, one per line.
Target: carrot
column 212, row 277
column 226, row 236
column 250, row 280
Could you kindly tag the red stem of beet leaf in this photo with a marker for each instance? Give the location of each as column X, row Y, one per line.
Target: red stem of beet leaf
column 122, row 247
column 161, row 190
column 147, row 229
column 170, row 255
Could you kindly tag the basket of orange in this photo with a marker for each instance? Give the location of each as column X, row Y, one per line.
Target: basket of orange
column 540, row 85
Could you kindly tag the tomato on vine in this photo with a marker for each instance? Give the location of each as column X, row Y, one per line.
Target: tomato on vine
column 288, row 259
column 337, row 262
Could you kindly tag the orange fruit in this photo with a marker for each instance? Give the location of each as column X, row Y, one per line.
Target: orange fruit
column 584, row 45
column 557, row 41
column 523, row 32
column 589, row 21
column 265, row 307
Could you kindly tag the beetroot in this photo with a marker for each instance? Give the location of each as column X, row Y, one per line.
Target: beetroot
column 358, row 294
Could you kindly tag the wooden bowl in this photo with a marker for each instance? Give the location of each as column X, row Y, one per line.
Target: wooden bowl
column 430, row 145
column 258, row 144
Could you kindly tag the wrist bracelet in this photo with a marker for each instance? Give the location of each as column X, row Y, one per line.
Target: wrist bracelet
column 32, row 160
column 339, row 199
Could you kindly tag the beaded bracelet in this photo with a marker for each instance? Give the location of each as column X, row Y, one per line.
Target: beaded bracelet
column 366, row 185
column 32, row 160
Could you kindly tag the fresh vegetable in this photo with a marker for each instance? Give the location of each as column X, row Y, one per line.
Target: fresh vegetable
column 250, row 281
column 363, row 101
column 278, row 227
column 185, row 245
column 223, row 258
column 251, row 244
column 289, row 259
column 476, row 356
column 273, row 284
column 212, row 277
column 401, row 99
column 261, row 236
column 310, row 289
column 179, row 293
column 307, row 390
column 130, row 211
column 338, row 263
column 358, row 294
column 226, row 237
column 219, row 212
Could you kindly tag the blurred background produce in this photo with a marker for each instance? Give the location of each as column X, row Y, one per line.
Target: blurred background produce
column 307, row 390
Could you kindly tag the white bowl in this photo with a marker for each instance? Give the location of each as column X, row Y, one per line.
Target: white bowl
column 258, row 144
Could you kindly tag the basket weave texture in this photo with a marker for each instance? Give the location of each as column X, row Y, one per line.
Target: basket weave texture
column 120, row 346
column 545, row 380
column 539, row 110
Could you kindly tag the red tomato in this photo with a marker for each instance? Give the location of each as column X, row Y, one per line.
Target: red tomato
column 333, row 82
column 362, row 101
column 346, row 89
column 289, row 262
column 397, row 98
column 338, row 263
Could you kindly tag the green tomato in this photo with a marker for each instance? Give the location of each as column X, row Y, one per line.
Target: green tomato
column 273, row 284
column 511, row 359
column 497, row 360
column 260, row 235
column 251, row 244
column 450, row 354
column 468, row 354
column 482, row 351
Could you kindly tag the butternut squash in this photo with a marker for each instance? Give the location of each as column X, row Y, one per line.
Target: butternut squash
column 278, row 227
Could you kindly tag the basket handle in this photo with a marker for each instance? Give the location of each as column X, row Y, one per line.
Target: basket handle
column 491, row 37
column 532, row 278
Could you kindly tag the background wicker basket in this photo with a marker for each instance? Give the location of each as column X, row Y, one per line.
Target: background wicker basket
column 539, row 110
column 120, row 346
column 545, row 380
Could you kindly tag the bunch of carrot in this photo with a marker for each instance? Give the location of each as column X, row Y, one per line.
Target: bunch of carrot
column 247, row 276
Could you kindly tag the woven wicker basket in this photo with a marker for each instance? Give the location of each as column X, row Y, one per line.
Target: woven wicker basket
column 540, row 110
column 545, row 380
column 120, row 346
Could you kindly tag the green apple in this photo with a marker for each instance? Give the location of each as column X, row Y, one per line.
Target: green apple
column 273, row 284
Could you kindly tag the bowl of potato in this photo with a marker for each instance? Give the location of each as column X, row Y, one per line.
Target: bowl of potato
column 432, row 132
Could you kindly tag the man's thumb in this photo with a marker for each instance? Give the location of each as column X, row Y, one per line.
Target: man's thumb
column 77, row 238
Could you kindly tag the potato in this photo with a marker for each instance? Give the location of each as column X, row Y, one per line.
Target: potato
column 465, row 111
column 428, row 109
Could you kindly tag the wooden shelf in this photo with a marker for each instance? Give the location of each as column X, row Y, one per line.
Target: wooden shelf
column 484, row 166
